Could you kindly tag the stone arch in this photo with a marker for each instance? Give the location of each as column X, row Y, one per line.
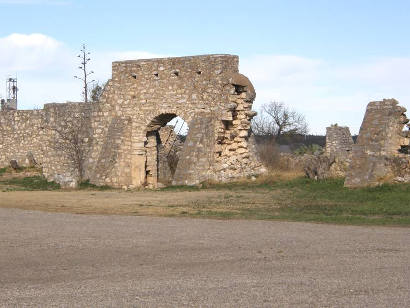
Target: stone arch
column 208, row 92
column 158, row 149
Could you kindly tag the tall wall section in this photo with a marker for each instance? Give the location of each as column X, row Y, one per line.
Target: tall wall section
column 377, row 156
column 143, row 95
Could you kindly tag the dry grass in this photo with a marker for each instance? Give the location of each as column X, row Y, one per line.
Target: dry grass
column 275, row 175
column 152, row 203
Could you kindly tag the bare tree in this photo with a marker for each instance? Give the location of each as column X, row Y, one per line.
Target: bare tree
column 276, row 120
column 84, row 56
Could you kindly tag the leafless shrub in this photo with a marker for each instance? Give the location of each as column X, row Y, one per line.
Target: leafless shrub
column 268, row 153
column 71, row 140
column 275, row 119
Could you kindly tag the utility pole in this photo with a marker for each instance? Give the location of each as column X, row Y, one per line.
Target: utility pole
column 84, row 57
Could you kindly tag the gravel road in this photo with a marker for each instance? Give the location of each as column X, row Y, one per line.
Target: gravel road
column 66, row 260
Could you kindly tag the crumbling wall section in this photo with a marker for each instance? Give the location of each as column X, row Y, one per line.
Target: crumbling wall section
column 235, row 151
column 338, row 149
column 377, row 157
column 339, row 141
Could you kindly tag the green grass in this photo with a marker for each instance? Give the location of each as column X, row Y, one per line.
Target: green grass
column 181, row 188
column 326, row 201
column 304, row 199
column 3, row 170
column 29, row 183
column 300, row 199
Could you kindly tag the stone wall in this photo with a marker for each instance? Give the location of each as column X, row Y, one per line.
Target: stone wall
column 46, row 134
column 377, row 155
column 66, row 143
column 339, row 141
column 149, row 93
column 169, row 152
column 339, row 144
column 21, row 132
column 119, row 134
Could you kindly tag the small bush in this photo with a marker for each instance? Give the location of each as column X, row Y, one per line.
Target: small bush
column 313, row 149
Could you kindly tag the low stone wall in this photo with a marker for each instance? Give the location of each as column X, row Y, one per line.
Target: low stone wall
column 46, row 134
column 21, row 132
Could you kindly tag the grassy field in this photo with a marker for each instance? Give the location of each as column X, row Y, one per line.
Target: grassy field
column 298, row 199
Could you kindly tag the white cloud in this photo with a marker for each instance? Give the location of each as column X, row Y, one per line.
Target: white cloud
column 35, row 2
column 20, row 52
column 325, row 92
column 45, row 68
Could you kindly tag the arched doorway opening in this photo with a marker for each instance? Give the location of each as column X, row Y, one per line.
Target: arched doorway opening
column 165, row 139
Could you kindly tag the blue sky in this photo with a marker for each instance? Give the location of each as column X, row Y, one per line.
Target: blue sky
column 327, row 59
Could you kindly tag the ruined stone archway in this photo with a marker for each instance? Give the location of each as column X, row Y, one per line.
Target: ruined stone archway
column 163, row 147
column 206, row 91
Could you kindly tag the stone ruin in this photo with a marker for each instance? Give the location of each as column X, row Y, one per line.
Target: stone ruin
column 339, row 141
column 381, row 153
column 118, row 141
column 124, row 141
column 338, row 149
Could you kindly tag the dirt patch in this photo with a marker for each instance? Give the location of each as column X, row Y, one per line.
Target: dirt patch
column 158, row 203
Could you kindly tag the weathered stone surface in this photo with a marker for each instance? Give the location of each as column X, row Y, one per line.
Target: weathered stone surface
column 377, row 157
column 317, row 167
column 118, row 136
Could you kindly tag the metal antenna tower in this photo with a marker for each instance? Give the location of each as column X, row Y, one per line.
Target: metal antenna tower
column 11, row 94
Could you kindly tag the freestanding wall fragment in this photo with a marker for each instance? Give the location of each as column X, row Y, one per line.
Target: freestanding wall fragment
column 378, row 154
column 339, row 141
column 338, row 149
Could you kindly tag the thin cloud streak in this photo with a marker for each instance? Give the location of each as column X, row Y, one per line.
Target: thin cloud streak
column 35, row 2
